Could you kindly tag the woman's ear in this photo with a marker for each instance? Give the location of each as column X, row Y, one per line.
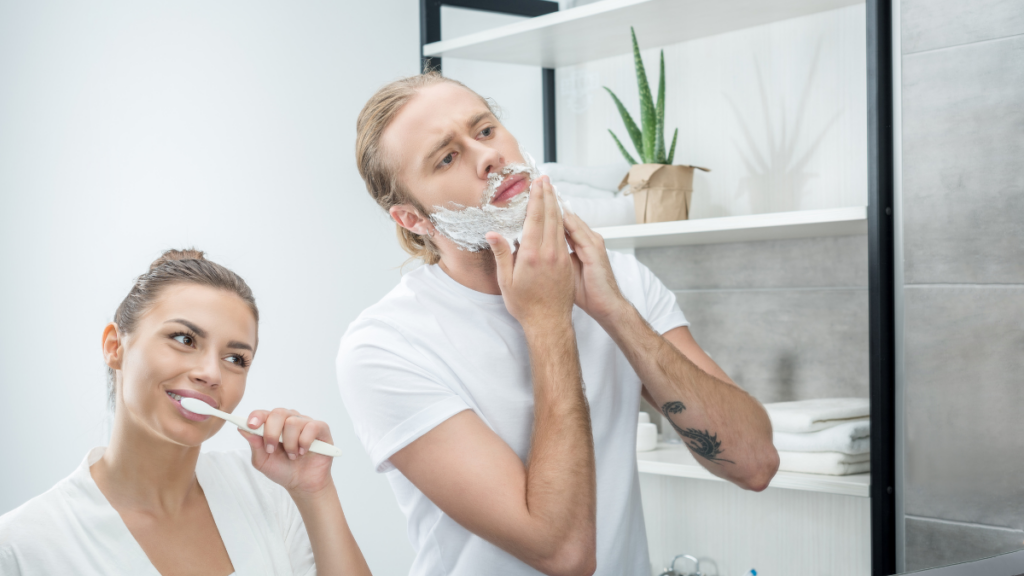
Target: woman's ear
column 113, row 349
column 410, row 218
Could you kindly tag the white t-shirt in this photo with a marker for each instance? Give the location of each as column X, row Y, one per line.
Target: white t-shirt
column 73, row 529
column 433, row 348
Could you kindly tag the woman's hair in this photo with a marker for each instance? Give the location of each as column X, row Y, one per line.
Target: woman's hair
column 174, row 267
column 375, row 165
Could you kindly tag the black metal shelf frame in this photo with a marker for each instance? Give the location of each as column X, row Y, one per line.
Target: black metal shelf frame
column 881, row 254
column 430, row 31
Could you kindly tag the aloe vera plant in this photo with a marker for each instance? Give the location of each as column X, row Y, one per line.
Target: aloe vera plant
column 649, row 137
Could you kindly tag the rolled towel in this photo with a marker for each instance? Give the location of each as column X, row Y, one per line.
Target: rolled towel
column 603, row 177
column 851, row 437
column 813, row 415
column 831, row 463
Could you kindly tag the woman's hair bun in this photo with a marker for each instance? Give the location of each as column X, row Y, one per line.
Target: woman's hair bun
column 172, row 255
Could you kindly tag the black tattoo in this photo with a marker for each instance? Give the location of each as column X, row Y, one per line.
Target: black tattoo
column 673, row 407
column 702, row 443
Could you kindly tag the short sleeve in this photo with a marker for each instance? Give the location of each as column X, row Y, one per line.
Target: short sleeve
column 392, row 390
column 655, row 301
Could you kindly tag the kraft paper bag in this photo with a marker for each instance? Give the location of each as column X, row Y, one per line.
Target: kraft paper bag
column 661, row 193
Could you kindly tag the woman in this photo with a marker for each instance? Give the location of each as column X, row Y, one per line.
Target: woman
column 150, row 502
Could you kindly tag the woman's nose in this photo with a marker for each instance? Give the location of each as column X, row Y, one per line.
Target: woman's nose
column 207, row 371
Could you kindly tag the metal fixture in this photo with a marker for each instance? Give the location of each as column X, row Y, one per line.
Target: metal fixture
column 671, row 570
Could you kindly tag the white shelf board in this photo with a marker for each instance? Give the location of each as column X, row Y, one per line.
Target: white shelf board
column 850, row 221
column 601, row 29
column 676, row 460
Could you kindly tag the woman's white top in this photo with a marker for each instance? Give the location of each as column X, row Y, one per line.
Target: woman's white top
column 72, row 529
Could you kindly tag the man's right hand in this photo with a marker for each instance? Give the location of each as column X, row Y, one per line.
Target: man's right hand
column 537, row 283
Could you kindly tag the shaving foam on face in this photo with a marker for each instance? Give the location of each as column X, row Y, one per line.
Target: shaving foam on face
column 467, row 225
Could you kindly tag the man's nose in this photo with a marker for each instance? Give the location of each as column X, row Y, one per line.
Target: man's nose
column 488, row 160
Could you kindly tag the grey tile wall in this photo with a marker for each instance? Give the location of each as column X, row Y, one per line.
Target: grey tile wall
column 964, row 396
column 787, row 319
column 963, row 157
column 963, row 222
column 931, row 24
column 932, row 543
column 840, row 261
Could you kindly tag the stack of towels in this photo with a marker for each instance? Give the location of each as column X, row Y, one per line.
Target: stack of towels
column 593, row 192
column 823, row 436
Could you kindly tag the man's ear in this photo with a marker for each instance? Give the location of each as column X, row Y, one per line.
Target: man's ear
column 409, row 217
column 113, row 347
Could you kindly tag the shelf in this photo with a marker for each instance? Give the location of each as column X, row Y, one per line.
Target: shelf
column 676, row 460
column 601, row 29
column 775, row 226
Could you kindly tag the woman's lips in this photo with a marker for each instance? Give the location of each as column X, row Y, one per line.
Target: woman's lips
column 511, row 188
column 191, row 394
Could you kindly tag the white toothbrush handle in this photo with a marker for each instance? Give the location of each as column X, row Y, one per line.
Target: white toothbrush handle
column 317, row 446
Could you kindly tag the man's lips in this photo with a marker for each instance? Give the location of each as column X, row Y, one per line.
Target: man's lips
column 191, row 394
column 510, row 188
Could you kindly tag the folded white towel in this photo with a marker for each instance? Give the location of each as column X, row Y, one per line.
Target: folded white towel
column 832, row 463
column 849, row 437
column 574, row 190
column 812, row 415
column 603, row 212
column 604, row 177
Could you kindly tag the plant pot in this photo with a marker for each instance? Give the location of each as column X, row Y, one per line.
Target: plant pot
column 661, row 192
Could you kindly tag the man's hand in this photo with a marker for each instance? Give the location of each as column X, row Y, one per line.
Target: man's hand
column 597, row 293
column 537, row 284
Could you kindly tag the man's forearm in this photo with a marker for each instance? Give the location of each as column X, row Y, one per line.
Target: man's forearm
column 561, row 485
column 722, row 425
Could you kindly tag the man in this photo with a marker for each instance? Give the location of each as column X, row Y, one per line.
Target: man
column 499, row 388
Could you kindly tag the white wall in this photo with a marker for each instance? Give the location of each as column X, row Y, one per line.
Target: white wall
column 778, row 112
column 127, row 128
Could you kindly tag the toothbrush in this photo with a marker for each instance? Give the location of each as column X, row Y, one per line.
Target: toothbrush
column 200, row 407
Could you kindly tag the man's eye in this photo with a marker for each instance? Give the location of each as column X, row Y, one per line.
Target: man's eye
column 447, row 160
column 486, row 132
column 184, row 339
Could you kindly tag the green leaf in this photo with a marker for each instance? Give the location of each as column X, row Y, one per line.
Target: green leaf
column 622, row 149
column 672, row 150
column 647, row 114
column 659, row 119
column 631, row 128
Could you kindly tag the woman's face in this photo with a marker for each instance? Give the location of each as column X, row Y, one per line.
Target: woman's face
column 194, row 341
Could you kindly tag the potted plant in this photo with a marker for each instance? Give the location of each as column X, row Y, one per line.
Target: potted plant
column 662, row 192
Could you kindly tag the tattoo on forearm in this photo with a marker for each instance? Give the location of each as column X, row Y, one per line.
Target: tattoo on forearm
column 703, row 443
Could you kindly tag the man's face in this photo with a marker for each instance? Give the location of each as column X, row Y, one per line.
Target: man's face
column 445, row 141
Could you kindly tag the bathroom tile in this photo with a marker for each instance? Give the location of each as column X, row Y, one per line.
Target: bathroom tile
column 931, row 24
column 963, row 164
column 964, row 396
column 931, row 542
column 784, row 345
column 807, row 262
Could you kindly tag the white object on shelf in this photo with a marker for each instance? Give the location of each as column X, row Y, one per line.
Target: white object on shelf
column 676, row 460
column 646, row 437
column 601, row 29
column 851, row 221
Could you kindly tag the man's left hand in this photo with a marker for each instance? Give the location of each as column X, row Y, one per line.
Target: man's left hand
column 597, row 293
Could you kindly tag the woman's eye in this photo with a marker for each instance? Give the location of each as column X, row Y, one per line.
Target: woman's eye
column 239, row 360
column 447, row 160
column 486, row 132
column 184, row 339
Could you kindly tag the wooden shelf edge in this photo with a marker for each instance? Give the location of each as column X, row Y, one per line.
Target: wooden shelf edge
column 850, row 221
column 853, row 485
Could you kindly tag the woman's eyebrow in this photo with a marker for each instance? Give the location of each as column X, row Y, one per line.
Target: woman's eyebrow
column 199, row 331
column 239, row 345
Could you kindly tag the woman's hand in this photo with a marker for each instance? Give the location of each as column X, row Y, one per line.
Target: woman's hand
column 290, row 463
